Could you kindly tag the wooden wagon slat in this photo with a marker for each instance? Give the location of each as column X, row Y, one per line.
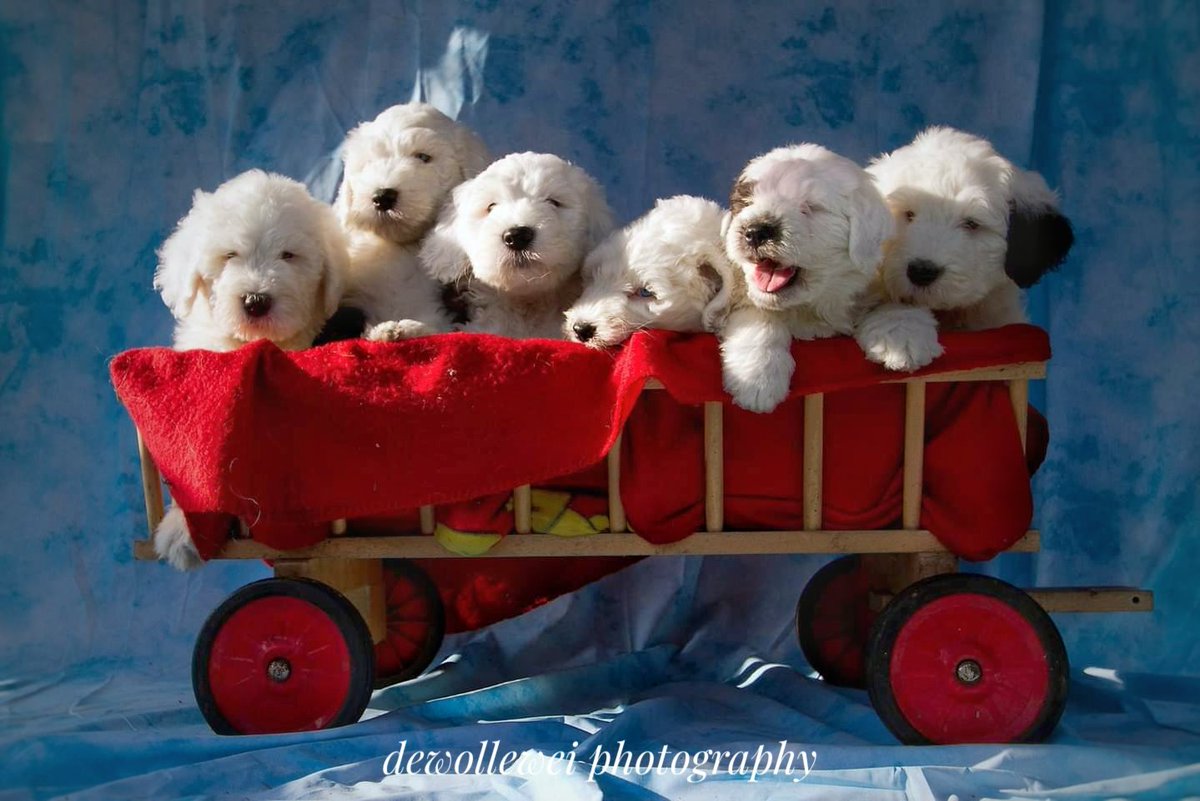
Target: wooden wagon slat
column 616, row 509
column 152, row 491
column 914, row 453
column 714, row 466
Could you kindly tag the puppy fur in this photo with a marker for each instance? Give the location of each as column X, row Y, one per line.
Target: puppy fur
column 972, row 229
column 668, row 270
column 259, row 258
column 806, row 229
column 399, row 169
column 516, row 236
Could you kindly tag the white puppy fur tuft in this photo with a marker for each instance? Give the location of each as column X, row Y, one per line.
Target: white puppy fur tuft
column 668, row 270
column 972, row 229
column 516, row 235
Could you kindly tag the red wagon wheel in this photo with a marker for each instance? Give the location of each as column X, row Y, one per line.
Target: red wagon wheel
column 833, row 620
column 283, row 655
column 415, row 623
column 966, row 659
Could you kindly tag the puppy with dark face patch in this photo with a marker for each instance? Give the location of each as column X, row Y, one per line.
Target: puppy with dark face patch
column 973, row 229
column 806, row 229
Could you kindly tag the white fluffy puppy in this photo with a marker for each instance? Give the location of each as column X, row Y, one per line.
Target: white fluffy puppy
column 667, row 269
column 517, row 234
column 807, row 229
column 399, row 169
column 259, row 258
column 972, row 229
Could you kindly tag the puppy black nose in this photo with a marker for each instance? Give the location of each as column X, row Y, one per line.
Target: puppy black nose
column 584, row 331
column 759, row 233
column 385, row 199
column 922, row 272
column 256, row 305
column 519, row 238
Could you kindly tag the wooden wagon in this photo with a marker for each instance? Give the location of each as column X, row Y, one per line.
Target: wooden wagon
column 946, row 657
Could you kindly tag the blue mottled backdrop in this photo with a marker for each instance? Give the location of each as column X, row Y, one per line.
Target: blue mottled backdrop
column 114, row 111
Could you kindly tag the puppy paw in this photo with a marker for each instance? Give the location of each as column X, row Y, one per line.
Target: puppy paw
column 398, row 330
column 756, row 393
column 901, row 338
column 173, row 542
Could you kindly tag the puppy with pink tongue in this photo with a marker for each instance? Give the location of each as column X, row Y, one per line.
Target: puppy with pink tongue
column 807, row 228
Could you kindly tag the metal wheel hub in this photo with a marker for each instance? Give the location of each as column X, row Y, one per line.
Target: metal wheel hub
column 968, row 671
column 279, row 669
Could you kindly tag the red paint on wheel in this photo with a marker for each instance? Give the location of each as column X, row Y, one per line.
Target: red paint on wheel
column 1008, row 697
column 279, row 628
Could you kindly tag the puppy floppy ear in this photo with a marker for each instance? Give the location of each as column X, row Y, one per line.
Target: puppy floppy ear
column 442, row 257
column 871, row 224
column 1039, row 236
column 179, row 276
column 719, row 273
column 599, row 215
column 473, row 155
column 335, row 263
column 1037, row 244
column 344, row 198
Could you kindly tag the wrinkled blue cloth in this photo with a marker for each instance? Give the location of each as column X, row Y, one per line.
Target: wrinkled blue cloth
column 115, row 110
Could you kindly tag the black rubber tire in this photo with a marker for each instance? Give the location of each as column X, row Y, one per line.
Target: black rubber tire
column 900, row 611
column 437, row 622
column 340, row 611
column 808, row 612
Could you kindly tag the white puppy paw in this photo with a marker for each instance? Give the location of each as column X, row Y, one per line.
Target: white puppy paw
column 757, row 393
column 398, row 330
column 902, row 338
column 173, row 542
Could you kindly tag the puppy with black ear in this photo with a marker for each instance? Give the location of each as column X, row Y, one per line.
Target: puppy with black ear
column 972, row 229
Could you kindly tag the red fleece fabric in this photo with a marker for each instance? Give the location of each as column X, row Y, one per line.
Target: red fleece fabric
column 289, row 441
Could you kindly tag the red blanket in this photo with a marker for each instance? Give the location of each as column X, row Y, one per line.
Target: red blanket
column 358, row 429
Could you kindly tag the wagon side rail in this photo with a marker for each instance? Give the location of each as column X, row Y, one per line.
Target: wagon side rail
column 915, row 552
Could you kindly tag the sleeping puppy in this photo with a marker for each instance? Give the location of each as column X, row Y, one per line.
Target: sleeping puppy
column 973, row 229
column 399, row 169
column 259, row 258
column 668, row 270
column 516, row 235
column 807, row 229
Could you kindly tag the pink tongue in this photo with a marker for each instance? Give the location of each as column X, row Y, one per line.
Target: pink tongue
column 770, row 277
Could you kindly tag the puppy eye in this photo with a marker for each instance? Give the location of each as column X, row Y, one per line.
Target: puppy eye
column 970, row 225
column 489, row 208
column 554, row 203
column 424, row 158
column 910, row 215
column 229, row 255
column 287, row 255
column 643, row 292
column 811, row 208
